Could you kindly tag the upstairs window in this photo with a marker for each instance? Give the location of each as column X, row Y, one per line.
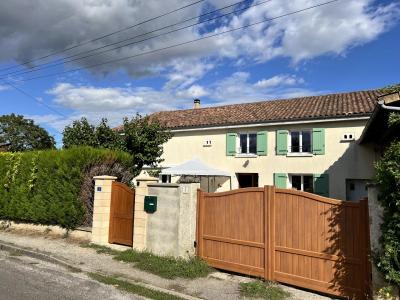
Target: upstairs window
column 300, row 141
column 248, row 143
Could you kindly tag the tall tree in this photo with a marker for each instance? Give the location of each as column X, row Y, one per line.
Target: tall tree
column 108, row 138
column 23, row 134
column 144, row 139
column 80, row 133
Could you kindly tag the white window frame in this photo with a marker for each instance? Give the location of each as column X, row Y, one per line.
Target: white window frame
column 302, row 180
column 300, row 131
column 239, row 148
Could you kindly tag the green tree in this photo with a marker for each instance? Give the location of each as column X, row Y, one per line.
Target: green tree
column 23, row 134
column 81, row 133
column 388, row 179
column 107, row 137
column 143, row 139
column 390, row 89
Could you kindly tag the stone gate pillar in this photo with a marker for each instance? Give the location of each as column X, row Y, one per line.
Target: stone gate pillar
column 101, row 209
column 140, row 217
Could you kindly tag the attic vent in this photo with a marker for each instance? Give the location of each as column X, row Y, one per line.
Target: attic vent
column 347, row 137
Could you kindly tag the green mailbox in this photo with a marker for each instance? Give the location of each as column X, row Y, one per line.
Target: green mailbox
column 150, row 204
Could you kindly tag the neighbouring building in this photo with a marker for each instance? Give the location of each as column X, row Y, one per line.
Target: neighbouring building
column 308, row 143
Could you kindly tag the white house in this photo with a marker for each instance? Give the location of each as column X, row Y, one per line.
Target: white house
column 307, row 143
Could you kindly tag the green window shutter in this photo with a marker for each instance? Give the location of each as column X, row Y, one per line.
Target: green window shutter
column 262, row 143
column 318, row 141
column 281, row 142
column 321, row 184
column 280, row 180
column 230, row 144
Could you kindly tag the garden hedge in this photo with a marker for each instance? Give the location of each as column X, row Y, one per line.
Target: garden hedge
column 43, row 187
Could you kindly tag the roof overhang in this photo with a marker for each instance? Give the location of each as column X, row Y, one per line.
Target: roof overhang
column 377, row 130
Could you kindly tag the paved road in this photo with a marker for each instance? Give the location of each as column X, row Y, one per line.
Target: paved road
column 24, row 278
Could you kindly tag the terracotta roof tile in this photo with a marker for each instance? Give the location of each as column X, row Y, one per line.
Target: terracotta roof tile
column 311, row 107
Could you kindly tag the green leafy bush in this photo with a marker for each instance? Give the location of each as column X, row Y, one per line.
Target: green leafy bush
column 44, row 187
column 388, row 179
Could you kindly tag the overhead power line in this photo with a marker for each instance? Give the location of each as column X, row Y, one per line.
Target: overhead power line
column 33, row 98
column 183, row 43
column 65, row 60
column 104, row 36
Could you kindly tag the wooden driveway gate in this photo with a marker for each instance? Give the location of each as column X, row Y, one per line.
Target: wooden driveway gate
column 121, row 214
column 288, row 236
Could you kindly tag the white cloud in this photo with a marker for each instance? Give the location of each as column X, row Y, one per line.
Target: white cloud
column 185, row 72
column 278, row 80
column 334, row 28
column 238, row 88
column 127, row 100
column 87, row 98
column 195, row 91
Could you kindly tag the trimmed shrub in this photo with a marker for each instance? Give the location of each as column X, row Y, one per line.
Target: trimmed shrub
column 44, row 187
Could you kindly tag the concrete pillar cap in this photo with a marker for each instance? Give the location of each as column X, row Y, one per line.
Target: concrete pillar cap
column 105, row 177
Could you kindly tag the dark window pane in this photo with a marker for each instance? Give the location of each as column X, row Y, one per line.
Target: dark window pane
column 295, row 141
column 166, row 178
column 306, row 141
column 253, row 143
column 308, row 184
column 296, row 182
column 243, row 143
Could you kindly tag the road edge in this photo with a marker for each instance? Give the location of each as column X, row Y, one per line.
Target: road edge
column 51, row 259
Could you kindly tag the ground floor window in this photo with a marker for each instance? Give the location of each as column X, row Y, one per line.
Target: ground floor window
column 247, row 180
column 302, row 182
column 166, row 178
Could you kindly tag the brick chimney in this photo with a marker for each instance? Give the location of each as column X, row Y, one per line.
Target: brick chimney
column 196, row 103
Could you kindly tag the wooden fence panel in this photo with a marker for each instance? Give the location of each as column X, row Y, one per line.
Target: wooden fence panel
column 289, row 236
column 232, row 230
column 319, row 244
column 121, row 214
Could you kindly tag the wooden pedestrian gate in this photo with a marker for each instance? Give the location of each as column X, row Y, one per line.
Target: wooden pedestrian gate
column 121, row 214
column 288, row 236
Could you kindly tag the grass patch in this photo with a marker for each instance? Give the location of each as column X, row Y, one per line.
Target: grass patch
column 164, row 266
column 15, row 253
column 133, row 288
column 100, row 249
column 264, row 290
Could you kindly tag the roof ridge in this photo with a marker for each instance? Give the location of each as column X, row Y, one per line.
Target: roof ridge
column 311, row 97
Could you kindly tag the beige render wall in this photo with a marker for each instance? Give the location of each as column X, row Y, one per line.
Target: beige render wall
column 341, row 160
column 171, row 228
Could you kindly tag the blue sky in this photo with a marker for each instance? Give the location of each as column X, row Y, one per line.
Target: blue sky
column 344, row 46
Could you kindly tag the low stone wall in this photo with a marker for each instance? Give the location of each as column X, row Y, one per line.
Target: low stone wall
column 171, row 229
column 84, row 235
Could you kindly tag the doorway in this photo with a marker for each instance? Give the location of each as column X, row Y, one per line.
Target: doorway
column 247, row 180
